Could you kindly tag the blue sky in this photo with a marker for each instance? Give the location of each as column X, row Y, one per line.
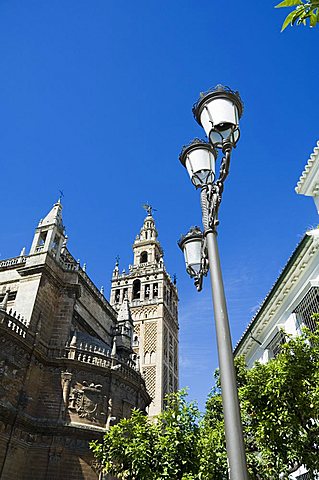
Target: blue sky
column 95, row 99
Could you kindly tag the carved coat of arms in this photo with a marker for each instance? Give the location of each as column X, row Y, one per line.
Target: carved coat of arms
column 88, row 401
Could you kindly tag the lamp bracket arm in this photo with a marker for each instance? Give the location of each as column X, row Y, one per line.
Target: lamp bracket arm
column 214, row 192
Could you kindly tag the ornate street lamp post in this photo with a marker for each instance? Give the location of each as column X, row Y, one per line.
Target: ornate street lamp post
column 218, row 111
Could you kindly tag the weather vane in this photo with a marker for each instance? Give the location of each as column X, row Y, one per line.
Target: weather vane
column 149, row 209
column 61, row 195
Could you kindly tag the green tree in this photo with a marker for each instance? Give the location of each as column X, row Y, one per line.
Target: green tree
column 304, row 11
column 138, row 449
column 280, row 414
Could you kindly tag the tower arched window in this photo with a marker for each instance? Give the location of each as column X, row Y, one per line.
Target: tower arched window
column 136, row 289
column 144, row 257
column 117, row 295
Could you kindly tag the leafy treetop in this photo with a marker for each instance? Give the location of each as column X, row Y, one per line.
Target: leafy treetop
column 280, row 415
column 304, row 11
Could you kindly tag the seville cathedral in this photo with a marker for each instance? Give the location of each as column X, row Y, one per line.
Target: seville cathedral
column 71, row 363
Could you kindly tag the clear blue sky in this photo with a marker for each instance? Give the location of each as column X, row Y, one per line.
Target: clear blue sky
column 95, row 99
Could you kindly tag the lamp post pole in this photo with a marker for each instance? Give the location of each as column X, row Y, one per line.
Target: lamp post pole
column 233, row 427
column 218, row 111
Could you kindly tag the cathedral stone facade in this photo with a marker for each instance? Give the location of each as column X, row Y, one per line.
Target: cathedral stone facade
column 153, row 301
column 66, row 360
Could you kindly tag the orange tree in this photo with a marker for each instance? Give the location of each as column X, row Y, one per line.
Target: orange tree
column 280, row 413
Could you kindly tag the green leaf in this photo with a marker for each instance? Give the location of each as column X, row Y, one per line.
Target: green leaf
column 298, row 13
column 288, row 20
column 313, row 19
column 289, row 3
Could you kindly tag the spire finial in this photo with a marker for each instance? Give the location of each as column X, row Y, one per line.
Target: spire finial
column 60, row 196
column 149, row 208
column 113, row 352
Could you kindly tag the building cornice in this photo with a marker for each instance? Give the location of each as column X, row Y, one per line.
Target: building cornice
column 308, row 183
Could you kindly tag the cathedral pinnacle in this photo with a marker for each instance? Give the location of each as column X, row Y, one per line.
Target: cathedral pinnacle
column 54, row 217
column 4, row 303
column 124, row 314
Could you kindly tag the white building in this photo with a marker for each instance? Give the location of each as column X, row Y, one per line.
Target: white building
column 295, row 294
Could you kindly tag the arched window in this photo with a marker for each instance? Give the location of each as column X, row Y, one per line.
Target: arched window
column 143, row 258
column 147, row 358
column 136, row 289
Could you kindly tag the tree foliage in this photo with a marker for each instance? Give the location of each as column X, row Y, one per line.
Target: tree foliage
column 137, row 448
column 304, row 11
column 280, row 414
column 280, row 410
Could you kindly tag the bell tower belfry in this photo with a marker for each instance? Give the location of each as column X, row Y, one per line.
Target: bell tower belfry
column 153, row 303
column 49, row 235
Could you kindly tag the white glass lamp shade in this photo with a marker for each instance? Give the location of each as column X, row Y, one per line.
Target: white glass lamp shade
column 218, row 112
column 199, row 159
column 191, row 245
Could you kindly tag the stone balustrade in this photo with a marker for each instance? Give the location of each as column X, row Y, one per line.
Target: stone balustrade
column 96, row 356
column 11, row 262
column 70, row 266
column 14, row 322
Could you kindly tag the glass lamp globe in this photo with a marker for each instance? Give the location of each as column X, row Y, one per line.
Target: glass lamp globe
column 199, row 159
column 191, row 246
column 218, row 111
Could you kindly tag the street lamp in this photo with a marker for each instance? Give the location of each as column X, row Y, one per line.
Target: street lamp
column 194, row 247
column 218, row 111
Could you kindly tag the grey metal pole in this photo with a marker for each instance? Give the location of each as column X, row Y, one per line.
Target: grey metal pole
column 233, row 427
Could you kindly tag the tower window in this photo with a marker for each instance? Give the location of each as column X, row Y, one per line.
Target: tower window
column 55, row 243
column 155, row 290
column 117, row 296
column 143, row 257
column 136, row 289
column 42, row 238
column 147, row 291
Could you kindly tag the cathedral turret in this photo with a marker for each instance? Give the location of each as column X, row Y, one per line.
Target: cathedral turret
column 152, row 297
column 49, row 235
column 125, row 329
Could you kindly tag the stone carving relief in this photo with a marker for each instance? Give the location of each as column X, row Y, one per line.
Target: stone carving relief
column 88, row 401
column 10, row 382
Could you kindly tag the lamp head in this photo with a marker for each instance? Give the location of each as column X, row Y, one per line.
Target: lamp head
column 191, row 245
column 199, row 159
column 218, row 111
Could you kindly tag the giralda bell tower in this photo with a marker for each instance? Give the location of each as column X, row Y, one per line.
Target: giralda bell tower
column 153, row 300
